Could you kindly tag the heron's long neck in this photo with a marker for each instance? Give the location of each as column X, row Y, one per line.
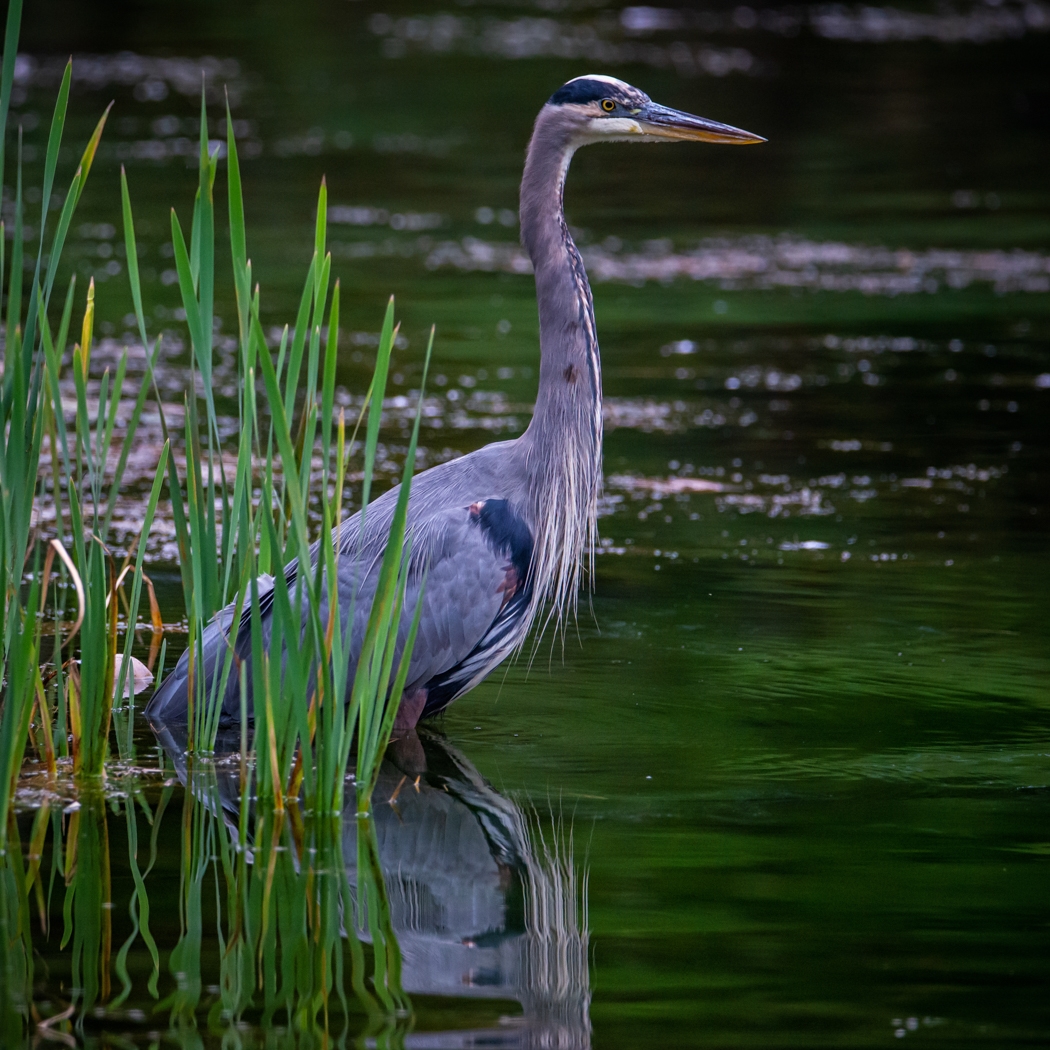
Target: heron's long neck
column 564, row 439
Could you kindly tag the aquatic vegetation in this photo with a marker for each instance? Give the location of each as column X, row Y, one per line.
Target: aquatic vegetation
column 314, row 908
column 16, row 944
column 234, row 533
column 766, row 264
column 29, row 410
column 303, row 926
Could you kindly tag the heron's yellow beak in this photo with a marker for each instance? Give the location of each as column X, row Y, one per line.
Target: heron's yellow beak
column 660, row 122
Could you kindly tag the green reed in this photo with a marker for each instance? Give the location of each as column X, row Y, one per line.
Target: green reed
column 77, row 703
column 235, row 529
column 30, row 408
column 81, row 857
column 235, row 526
column 87, row 908
column 286, row 919
column 16, row 945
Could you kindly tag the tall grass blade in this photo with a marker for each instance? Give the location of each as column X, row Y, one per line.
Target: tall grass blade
column 136, row 586
column 376, row 704
column 14, row 290
column 7, row 71
column 16, row 946
column 50, row 164
column 73, row 195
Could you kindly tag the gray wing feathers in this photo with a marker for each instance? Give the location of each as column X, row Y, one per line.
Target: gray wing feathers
column 461, row 597
column 463, row 573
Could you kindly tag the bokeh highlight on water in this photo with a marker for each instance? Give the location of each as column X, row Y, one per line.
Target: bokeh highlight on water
column 802, row 730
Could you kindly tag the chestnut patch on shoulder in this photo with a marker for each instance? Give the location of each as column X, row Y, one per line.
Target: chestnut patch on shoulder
column 571, row 374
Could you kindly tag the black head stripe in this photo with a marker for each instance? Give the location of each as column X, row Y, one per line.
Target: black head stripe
column 580, row 91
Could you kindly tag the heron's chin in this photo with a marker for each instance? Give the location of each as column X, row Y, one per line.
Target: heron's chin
column 615, row 129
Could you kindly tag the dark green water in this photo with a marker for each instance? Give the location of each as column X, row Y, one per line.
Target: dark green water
column 804, row 733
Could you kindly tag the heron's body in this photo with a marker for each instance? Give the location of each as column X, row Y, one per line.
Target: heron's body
column 501, row 532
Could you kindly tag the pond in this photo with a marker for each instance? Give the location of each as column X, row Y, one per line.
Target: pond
column 787, row 780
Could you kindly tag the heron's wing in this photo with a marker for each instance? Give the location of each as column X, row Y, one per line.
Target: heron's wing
column 470, row 563
column 169, row 702
column 470, row 571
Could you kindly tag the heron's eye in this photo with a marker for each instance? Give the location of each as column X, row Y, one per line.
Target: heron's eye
column 608, row 105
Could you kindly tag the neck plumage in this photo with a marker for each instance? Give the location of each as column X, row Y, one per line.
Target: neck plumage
column 564, row 440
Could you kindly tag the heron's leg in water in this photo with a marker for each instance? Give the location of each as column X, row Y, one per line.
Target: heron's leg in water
column 412, row 704
column 406, row 752
column 405, row 748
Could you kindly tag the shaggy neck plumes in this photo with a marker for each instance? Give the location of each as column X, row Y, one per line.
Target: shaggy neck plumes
column 564, row 439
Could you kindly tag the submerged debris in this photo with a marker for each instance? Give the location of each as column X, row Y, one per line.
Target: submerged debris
column 139, row 677
column 765, row 263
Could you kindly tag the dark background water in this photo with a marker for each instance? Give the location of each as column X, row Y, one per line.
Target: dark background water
column 803, row 731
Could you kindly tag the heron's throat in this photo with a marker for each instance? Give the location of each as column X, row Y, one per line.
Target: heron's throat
column 564, row 439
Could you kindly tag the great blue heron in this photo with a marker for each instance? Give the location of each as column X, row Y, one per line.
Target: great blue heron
column 503, row 531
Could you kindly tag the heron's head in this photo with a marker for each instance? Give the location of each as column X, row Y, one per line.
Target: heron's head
column 597, row 108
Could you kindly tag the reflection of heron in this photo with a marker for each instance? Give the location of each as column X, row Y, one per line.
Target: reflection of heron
column 485, row 902
column 502, row 531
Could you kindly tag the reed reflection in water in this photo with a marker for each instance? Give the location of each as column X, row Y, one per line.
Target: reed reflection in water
column 455, row 891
